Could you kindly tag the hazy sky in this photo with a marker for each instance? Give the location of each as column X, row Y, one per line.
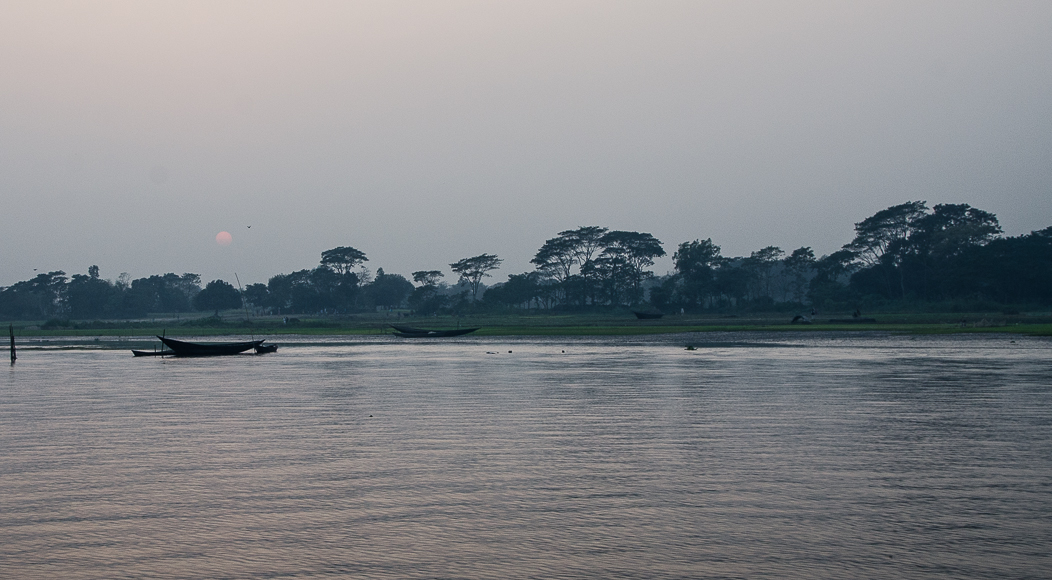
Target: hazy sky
column 131, row 133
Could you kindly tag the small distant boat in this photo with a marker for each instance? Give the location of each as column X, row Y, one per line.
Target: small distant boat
column 647, row 315
column 410, row 332
column 183, row 348
column 265, row 348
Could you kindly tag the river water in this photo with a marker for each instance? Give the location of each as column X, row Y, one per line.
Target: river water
column 753, row 456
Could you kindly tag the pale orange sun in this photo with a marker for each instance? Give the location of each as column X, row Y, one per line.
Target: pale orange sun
column 224, row 238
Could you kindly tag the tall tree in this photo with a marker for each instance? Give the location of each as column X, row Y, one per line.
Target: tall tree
column 799, row 265
column 610, row 279
column 472, row 270
column 257, row 295
column 389, row 290
column 637, row 250
column 42, row 296
column 589, row 241
column 882, row 242
column 91, row 297
column 519, row 290
column 1012, row 270
column 830, row 272
column 928, row 267
column 885, row 231
column 189, row 284
column 696, row 264
column 165, row 293
column 952, row 228
column 427, row 277
column 762, row 264
column 343, row 260
column 425, row 299
column 557, row 257
column 218, row 295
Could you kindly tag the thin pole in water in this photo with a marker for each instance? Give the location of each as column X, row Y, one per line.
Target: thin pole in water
column 244, row 304
column 11, row 330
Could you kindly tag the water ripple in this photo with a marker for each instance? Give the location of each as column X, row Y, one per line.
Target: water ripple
column 751, row 457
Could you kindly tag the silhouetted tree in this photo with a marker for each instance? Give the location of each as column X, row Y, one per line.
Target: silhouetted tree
column 885, row 231
column 762, row 264
column 217, row 295
column 426, row 299
column 906, row 252
column 928, row 267
column 799, row 266
column 831, row 273
column 557, row 257
column 951, row 229
column 389, row 290
column 627, row 254
column 165, row 293
column 43, row 296
column 427, row 277
column 257, row 295
column 882, row 239
column 519, row 290
column 90, row 297
column 343, row 260
column 696, row 263
column 1010, row 270
column 472, row 270
column 733, row 281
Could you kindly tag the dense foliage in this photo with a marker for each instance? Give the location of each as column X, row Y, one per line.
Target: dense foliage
column 949, row 254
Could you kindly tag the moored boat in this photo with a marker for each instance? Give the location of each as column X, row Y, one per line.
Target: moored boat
column 410, row 332
column 184, row 348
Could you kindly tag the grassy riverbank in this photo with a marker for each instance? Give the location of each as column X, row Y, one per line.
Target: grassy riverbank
column 614, row 323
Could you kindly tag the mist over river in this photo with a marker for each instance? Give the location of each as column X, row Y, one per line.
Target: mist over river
column 781, row 455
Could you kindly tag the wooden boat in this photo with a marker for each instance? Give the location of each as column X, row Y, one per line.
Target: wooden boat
column 410, row 332
column 183, row 348
column 164, row 352
column 647, row 315
column 265, row 348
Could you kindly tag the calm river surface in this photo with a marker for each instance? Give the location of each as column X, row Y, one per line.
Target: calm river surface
column 754, row 456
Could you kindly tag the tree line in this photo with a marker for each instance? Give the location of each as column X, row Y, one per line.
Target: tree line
column 907, row 253
column 903, row 255
column 339, row 284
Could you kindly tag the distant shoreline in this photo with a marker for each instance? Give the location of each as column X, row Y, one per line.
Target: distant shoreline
column 554, row 324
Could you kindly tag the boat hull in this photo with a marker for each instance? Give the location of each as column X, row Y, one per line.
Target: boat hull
column 152, row 352
column 183, row 348
column 410, row 332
